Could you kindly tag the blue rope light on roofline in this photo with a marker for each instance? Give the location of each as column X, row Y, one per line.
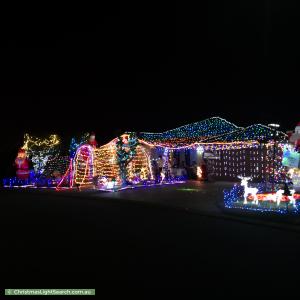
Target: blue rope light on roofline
column 212, row 130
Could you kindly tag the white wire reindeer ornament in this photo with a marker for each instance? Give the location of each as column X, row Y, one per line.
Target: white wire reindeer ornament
column 248, row 190
column 280, row 193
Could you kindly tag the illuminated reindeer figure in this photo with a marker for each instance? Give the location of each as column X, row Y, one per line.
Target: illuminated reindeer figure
column 293, row 201
column 279, row 194
column 248, row 190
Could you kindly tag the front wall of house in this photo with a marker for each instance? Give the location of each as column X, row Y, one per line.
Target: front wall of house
column 250, row 162
column 227, row 164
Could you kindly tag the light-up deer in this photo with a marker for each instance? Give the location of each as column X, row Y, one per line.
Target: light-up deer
column 248, row 191
column 279, row 194
column 293, row 200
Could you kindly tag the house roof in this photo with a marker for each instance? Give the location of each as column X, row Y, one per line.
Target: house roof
column 212, row 130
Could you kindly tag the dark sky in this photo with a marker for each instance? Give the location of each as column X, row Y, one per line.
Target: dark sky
column 147, row 66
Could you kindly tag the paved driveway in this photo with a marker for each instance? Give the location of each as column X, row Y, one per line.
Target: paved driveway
column 192, row 195
column 92, row 239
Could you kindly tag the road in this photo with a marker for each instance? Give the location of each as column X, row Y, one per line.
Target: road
column 127, row 239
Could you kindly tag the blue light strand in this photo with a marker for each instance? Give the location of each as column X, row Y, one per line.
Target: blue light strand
column 212, row 130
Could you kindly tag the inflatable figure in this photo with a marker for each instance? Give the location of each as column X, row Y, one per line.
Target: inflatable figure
column 22, row 165
column 92, row 140
column 295, row 137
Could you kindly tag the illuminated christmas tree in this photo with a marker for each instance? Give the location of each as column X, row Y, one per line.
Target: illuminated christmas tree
column 126, row 150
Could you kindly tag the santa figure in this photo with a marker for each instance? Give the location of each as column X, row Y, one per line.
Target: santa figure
column 92, row 140
column 22, row 165
column 295, row 137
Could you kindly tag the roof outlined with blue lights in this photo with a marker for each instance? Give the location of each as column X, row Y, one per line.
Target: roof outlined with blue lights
column 212, row 130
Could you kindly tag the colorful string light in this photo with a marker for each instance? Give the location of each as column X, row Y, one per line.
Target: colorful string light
column 106, row 161
column 84, row 168
column 234, row 151
column 212, row 130
column 31, row 141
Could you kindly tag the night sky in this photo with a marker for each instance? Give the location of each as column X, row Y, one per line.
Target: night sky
column 146, row 66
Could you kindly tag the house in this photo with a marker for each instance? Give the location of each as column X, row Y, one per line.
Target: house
column 228, row 151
